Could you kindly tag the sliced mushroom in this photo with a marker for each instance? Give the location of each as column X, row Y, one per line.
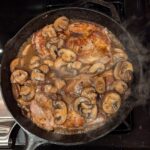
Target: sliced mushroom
column 26, row 50
column 85, row 69
column 119, row 55
column 47, row 88
column 59, row 63
column 44, row 68
column 59, row 83
column 67, row 55
column 49, row 31
column 75, row 65
column 65, row 71
column 85, row 108
column 34, row 62
column 120, row 86
column 36, row 75
column 97, row 68
column 50, row 89
column 111, row 102
column 123, row 70
column 100, row 85
column 27, row 92
column 19, row 76
column 61, row 23
column 14, row 64
column 49, row 63
column 90, row 93
column 60, row 112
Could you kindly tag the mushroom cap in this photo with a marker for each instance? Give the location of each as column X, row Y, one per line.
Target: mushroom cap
column 67, row 55
column 111, row 102
column 19, row 76
column 61, row 23
column 120, row 86
column 97, row 68
column 123, row 70
column 100, row 85
column 85, row 108
column 60, row 112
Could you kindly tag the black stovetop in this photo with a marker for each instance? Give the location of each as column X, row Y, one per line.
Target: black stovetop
column 134, row 16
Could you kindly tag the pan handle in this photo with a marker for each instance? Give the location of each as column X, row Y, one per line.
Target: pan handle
column 32, row 141
column 105, row 4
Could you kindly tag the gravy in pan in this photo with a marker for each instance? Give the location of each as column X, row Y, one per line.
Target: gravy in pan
column 70, row 76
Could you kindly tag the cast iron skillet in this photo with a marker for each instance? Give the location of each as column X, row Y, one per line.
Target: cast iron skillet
column 12, row 47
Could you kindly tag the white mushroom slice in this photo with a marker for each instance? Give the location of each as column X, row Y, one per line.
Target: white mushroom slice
column 75, row 65
column 85, row 69
column 97, row 68
column 123, row 70
column 27, row 92
column 59, row 84
column 47, row 88
column 120, row 86
column 85, row 108
column 26, row 50
column 119, row 55
column 34, row 62
column 61, row 23
column 14, row 64
column 89, row 92
column 68, row 72
column 36, row 75
column 49, row 63
column 19, row 76
column 111, row 102
column 44, row 68
column 100, row 85
column 60, row 112
column 67, row 55
column 59, row 63
column 49, row 31
column 50, row 89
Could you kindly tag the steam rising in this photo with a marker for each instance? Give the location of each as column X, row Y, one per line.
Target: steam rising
column 140, row 36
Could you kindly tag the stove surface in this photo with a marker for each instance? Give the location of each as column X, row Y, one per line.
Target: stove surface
column 134, row 133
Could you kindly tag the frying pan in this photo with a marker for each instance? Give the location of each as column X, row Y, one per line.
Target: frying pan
column 11, row 50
